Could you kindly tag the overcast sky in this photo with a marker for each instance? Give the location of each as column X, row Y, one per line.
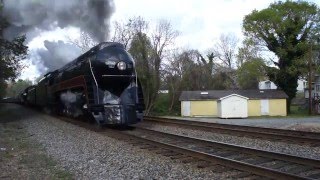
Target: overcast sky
column 200, row 22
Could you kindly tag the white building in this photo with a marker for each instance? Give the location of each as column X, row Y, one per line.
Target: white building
column 267, row 85
column 233, row 106
column 302, row 84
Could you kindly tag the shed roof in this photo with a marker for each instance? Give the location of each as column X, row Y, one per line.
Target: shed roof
column 217, row 94
column 225, row 97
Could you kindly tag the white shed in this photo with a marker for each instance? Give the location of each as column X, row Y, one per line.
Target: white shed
column 233, row 106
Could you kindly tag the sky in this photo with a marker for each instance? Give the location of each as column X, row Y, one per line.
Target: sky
column 199, row 22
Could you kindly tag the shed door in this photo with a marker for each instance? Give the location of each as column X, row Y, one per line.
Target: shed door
column 186, row 108
column 236, row 106
column 264, row 107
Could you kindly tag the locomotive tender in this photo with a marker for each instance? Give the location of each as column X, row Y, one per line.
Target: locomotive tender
column 101, row 83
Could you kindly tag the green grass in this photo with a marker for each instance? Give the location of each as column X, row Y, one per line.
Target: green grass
column 44, row 162
column 299, row 111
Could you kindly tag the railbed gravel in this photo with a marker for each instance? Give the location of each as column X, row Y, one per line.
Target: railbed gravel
column 90, row 155
column 274, row 146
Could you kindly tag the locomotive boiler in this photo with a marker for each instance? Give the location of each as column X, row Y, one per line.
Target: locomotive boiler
column 101, row 83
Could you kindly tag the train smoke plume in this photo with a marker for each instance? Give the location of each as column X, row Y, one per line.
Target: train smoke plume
column 32, row 17
column 55, row 55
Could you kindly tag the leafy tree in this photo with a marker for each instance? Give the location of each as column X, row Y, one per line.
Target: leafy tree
column 189, row 70
column 175, row 70
column 14, row 89
column 250, row 73
column 141, row 52
column 251, row 65
column 11, row 54
column 285, row 28
column 149, row 50
column 248, row 51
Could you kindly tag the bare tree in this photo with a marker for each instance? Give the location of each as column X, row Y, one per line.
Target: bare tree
column 124, row 31
column 176, row 69
column 162, row 37
column 84, row 42
column 122, row 34
column 225, row 49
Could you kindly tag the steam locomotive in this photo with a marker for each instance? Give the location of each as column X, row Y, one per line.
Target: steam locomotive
column 102, row 83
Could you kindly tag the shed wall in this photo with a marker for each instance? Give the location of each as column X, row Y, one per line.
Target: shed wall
column 254, row 107
column 277, row 107
column 204, row 108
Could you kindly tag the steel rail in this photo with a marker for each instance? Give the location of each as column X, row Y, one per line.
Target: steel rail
column 242, row 149
column 279, row 134
column 235, row 164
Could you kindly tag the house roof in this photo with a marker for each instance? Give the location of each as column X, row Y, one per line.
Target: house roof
column 217, row 94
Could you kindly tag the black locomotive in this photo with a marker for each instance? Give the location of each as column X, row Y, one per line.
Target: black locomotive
column 101, row 83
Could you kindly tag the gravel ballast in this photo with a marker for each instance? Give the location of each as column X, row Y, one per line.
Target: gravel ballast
column 269, row 122
column 90, row 155
column 281, row 147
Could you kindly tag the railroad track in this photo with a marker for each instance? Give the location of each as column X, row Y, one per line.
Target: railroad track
column 290, row 136
column 251, row 163
column 258, row 162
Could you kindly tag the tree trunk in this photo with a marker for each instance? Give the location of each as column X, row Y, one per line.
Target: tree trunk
column 288, row 105
column 172, row 102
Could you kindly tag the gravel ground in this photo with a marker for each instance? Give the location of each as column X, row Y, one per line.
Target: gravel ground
column 298, row 150
column 20, row 157
column 89, row 155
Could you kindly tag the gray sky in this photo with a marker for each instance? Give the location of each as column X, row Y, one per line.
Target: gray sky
column 200, row 22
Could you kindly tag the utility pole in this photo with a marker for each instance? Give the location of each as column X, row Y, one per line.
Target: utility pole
column 310, row 80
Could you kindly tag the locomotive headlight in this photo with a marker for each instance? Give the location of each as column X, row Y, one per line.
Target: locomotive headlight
column 121, row 65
